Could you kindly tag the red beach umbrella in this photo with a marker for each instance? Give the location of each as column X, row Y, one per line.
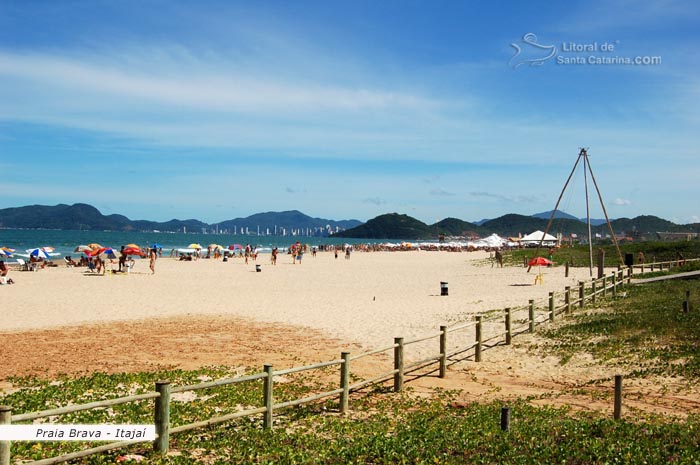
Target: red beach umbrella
column 134, row 251
column 539, row 261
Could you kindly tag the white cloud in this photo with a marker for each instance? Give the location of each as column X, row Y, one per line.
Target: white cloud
column 441, row 192
column 620, row 202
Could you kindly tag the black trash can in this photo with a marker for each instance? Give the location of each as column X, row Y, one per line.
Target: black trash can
column 258, row 268
column 443, row 288
column 629, row 259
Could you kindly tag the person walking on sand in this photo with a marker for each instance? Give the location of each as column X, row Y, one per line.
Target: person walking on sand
column 499, row 258
column 273, row 257
column 153, row 256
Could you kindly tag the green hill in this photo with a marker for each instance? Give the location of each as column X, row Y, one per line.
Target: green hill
column 391, row 226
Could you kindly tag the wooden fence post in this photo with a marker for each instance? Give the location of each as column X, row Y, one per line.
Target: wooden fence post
column 614, row 284
column 629, row 275
column 601, row 263
column 505, row 418
column 162, row 417
column 594, row 290
column 605, row 285
column 267, row 396
column 509, row 334
column 344, row 381
column 398, row 364
column 581, row 293
column 443, row 351
column 686, row 304
column 567, row 298
column 531, row 315
column 551, row 306
column 5, row 446
column 617, row 411
column 566, row 270
column 477, row 349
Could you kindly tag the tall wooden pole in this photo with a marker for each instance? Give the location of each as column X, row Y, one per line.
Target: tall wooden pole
column 588, row 215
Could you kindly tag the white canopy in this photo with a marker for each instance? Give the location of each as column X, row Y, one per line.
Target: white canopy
column 494, row 240
column 538, row 236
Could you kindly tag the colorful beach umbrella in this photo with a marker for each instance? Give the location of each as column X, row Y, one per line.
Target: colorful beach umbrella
column 82, row 248
column 106, row 252
column 7, row 249
column 194, row 246
column 130, row 246
column 38, row 253
column 156, row 246
column 134, row 251
column 5, row 253
column 94, row 246
column 235, row 247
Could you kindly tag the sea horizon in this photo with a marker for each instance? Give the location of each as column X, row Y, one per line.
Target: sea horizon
column 65, row 241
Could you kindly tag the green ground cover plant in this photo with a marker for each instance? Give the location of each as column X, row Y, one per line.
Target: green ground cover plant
column 647, row 331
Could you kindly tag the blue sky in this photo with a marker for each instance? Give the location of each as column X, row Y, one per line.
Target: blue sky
column 215, row 110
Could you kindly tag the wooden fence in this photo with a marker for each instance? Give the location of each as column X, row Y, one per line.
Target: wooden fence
column 490, row 330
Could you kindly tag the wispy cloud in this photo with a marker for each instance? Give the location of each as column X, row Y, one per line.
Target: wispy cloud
column 506, row 198
column 374, row 201
column 441, row 192
column 621, row 202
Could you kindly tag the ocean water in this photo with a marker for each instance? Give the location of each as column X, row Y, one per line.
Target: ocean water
column 65, row 242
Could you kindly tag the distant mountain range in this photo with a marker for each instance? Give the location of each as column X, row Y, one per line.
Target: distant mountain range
column 86, row 217
column 396, row 226
column 388, row 226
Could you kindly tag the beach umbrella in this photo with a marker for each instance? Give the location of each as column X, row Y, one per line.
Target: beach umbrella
column 235, row 247
column 47, row 249
column 5, row 253
column 7, row 249
column 94, row 246
column 106, row 252
column 194, row 246
column 82, row 248
column 129, row 246
column 38, row 253
column 134, row 251
column 216, row 246
column 156, row 246
column 539, row 261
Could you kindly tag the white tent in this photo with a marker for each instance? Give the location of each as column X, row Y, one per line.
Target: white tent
column 536, row 237
column 494, row 240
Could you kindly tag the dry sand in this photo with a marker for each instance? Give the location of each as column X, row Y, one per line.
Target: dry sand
column 210, row 312
column 368, row 300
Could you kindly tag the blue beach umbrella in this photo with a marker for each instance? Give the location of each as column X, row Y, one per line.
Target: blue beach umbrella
column 156, row 246
column 38, row 253
column 5, row 253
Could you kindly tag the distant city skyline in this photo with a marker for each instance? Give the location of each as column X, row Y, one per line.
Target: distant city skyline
column 348, row 110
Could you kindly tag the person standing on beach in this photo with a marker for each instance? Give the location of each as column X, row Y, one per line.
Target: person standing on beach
column 499, row 258
column 273, row 257
column 122, row 259
column 153, row 256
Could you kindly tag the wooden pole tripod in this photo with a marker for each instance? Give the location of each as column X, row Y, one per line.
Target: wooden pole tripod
column 583, row 155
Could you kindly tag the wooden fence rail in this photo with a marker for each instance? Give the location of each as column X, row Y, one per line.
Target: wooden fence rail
column 556, row 304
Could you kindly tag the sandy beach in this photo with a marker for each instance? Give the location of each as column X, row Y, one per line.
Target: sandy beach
column 368, row 299
column 210, row 312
